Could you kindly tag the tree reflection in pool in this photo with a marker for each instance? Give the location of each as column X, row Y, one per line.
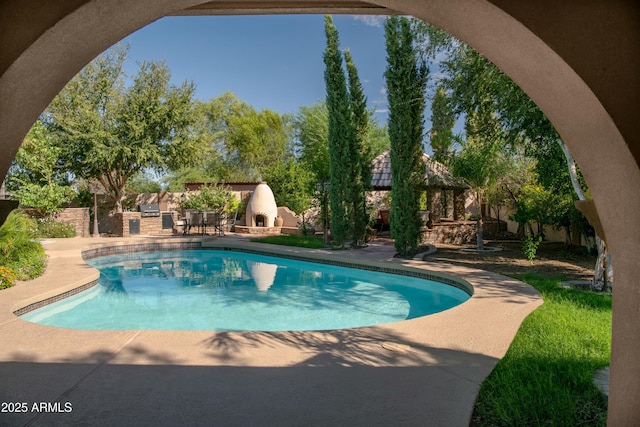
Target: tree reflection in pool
column 226, row 290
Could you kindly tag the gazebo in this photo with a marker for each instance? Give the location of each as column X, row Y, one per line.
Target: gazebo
column 445, row 194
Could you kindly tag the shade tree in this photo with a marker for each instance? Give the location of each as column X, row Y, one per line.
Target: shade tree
column 36, row 178
column 110, row 132
column 235, row 141
column 472, row 80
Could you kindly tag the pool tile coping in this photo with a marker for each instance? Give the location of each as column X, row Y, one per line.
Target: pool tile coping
column 50, row 300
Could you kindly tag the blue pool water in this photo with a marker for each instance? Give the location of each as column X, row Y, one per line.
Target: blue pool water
column 224, row 290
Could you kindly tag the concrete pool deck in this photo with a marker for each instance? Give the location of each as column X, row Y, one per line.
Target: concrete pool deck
column 423, row 371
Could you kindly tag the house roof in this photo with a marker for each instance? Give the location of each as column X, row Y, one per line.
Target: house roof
column 436, row 175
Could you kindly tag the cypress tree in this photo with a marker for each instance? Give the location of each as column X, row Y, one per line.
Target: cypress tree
column 340, row 136
column 359, row 153
column 406, row 79
column 442, row 122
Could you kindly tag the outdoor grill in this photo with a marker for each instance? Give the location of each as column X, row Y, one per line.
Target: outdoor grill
column 149, row 210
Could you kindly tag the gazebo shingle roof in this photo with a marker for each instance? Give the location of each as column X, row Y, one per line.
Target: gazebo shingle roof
column 437, row 174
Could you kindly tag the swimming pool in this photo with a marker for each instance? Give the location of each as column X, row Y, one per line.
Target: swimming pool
column 227, row 290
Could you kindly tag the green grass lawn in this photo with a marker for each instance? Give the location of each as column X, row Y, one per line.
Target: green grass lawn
column 546, row 376
column 312, row 242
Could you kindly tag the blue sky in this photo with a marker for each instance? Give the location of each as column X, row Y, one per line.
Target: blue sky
column 270, row 62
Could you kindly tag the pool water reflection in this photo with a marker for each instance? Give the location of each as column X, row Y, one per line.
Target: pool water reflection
column 226, row 290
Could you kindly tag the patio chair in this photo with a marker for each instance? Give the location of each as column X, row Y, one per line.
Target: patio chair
column 214, row 219
column 229, row 223
column 196, row 219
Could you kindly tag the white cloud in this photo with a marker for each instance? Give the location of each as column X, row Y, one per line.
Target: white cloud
column 371, row 20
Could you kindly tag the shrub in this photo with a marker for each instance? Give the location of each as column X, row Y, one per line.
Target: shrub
column 305, row 228
column 19, row 251
column 530, row 247
column 217, row 198
column 48, row 228
column 7, row 277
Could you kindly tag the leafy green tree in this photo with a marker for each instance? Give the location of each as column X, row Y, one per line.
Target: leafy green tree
column 236, row 142
column 35, row 178
column 475, row 84
column 406, row 78
column 292, row 185
column 536, row 204
column 516, row 172
column 378, row 139
column 258, row 140
column 175, row 181
column 473, row 80
column 311, row 128
column 207, row 165
column 524, row 124
column 479, row 160
column 433, row 44
column 110, row 133
column 340, row 136
column 142, row 183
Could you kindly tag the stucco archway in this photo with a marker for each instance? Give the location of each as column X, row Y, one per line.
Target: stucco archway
column 580, row 61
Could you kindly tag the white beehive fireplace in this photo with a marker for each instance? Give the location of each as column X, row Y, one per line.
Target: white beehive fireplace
column 261, row 209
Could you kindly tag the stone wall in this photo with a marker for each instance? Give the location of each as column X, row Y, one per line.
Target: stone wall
column 78, row 218
column 121, row 223
column 455, row 233
column 153, row 225
column 148, row 225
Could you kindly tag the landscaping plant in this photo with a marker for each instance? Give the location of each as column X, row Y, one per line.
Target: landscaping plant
column 49, row 228
column 530, row 246
column 19, row 251
column 217, row 198
column 7, row 277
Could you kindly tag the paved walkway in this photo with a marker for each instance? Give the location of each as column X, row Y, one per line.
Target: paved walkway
column 424, row 371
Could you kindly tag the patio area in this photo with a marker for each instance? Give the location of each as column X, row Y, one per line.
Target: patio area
column 424, row 371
